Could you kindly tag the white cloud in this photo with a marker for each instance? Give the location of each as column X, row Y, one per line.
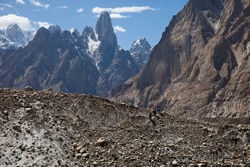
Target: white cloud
column 119, row 29
column 5, row 5
column 8, row 5
column 131, row 9
column 117, row 16
column 37, row 3
column 20, row 1
column 63, row 7
column 43, row 24
column 79, row 10
column 23, row 22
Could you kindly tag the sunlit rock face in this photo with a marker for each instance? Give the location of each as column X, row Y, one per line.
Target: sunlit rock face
column 200, row 67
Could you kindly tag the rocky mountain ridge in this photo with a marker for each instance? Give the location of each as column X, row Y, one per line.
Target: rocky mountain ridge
column 200, row 67
column 90, row 62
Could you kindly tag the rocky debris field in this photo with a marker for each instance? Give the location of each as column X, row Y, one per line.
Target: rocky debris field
column 46, row 128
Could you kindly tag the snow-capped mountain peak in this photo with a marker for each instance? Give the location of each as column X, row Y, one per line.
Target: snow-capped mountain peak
column 139, row 42
column 12, row 27
column 140, row 51
column 14, row 37
column 15, row 34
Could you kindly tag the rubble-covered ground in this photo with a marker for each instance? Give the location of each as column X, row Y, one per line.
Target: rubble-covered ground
column 45, row 128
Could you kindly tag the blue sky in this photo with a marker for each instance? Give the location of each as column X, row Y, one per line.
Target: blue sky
column 132, row 19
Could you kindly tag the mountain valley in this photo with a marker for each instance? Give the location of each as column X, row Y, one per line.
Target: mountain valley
column 78, row 99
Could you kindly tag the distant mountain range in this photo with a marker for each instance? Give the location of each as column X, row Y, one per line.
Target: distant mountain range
column 14, row 37
column 90, row 63
column 201, row 66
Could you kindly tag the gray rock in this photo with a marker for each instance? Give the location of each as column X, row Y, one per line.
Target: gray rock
column 28, row 89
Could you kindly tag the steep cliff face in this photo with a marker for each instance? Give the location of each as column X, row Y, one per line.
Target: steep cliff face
column 202, row 58
column 106, row 35
column 115, row 65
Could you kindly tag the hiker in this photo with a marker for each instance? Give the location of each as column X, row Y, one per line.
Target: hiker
column 151, row 119
column 154, row 113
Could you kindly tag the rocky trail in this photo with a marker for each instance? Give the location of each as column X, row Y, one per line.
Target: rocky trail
column 47, row 128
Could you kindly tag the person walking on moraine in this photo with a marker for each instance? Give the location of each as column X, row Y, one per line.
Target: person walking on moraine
column 153, row 114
